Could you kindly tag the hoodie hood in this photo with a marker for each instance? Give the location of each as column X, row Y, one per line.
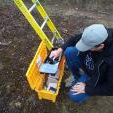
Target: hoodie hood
column 108, row 50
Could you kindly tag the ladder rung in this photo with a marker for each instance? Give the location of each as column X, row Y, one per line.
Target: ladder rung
column 35, row 4
column 55, row 33
column 60, row 41
column 45, row 21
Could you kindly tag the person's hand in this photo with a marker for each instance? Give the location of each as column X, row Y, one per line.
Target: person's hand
column 78, row 88
column 54, row 54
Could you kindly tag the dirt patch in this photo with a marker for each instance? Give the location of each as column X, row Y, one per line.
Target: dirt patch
column 18, row 44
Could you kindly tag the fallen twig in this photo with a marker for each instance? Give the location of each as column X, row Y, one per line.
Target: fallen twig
column 4, row 43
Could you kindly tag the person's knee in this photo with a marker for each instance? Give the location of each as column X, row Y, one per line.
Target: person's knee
column 70, row 50
column 67, row 51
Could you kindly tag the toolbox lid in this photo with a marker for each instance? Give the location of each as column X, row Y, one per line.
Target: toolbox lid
column 33, row 75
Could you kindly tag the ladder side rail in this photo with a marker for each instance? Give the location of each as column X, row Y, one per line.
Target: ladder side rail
column 33, row 22
column 49, row 22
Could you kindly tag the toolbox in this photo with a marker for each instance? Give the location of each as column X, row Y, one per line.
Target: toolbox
column 37, row 79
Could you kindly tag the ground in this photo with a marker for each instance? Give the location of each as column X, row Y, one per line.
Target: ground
column 18, row 44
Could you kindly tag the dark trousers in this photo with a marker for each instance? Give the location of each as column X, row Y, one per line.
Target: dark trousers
column 74, row 63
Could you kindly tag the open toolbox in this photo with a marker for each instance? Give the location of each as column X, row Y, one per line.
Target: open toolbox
column 38, row 80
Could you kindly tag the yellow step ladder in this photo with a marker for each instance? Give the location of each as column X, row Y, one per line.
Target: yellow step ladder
column 39, row 29
column 35, row 78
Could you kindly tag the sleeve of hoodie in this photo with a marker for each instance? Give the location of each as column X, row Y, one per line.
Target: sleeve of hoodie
column 105, row 89
column 72, row 40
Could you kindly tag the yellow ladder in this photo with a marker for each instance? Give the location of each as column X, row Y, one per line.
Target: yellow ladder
column 39, row 29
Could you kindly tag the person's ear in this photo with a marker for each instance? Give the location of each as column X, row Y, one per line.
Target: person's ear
column 101, row 46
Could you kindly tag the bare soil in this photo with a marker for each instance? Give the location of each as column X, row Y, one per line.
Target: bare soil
column 18, row 44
